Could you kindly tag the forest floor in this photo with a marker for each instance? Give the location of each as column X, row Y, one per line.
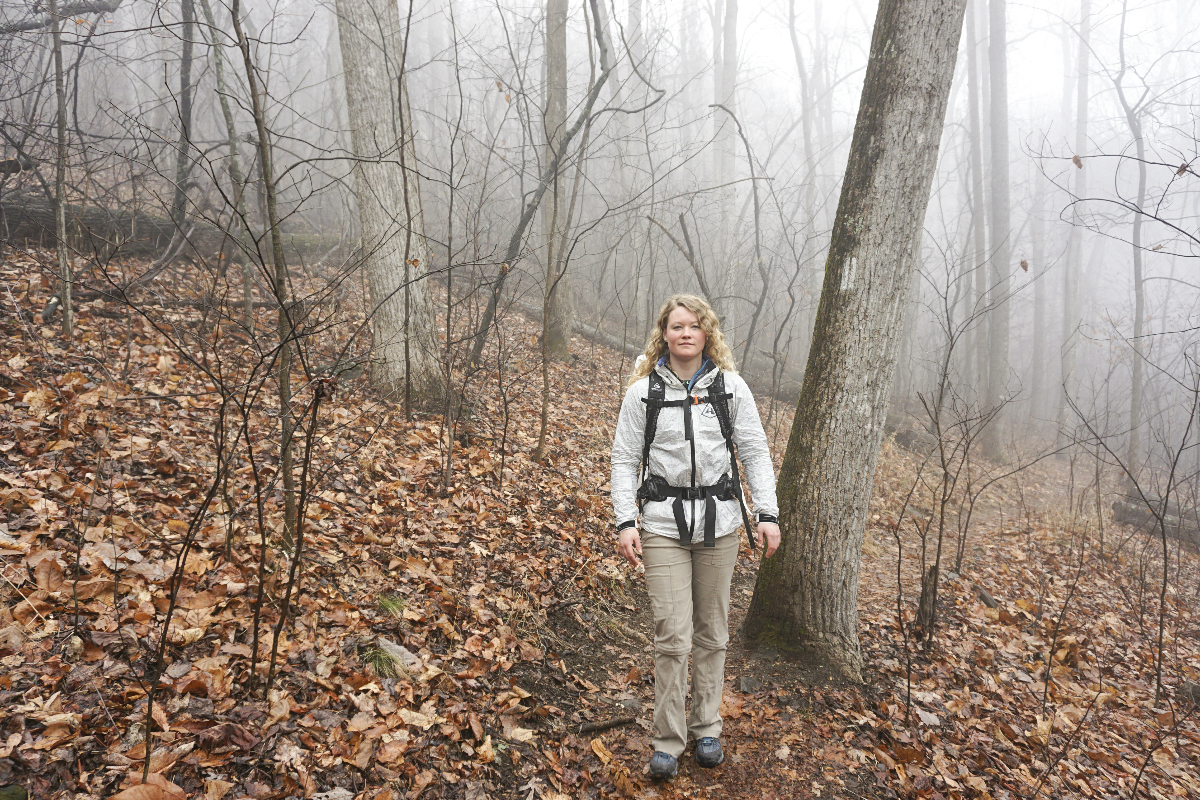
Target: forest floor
column 459, row 639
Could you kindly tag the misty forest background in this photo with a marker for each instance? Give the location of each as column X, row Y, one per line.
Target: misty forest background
column 1053, row 279
column 345, row 216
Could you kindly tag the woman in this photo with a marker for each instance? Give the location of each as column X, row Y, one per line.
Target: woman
column 689, row 507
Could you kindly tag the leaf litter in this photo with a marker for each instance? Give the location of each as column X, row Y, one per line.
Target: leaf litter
column 481, row 641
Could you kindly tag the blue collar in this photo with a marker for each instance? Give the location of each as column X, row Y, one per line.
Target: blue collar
column 705, row 365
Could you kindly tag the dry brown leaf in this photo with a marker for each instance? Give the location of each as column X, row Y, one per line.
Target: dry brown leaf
column 906, row 753
column 484, row 753
column 361, row 721
column 1040, row 735
column 601, row 751
column 41, row 402
column 48, row 574
column 392, row 751
column 624, row 783
column 143, row 792
column 227, row 735
column 156, row 787
column 281, row 707
column 419, row 720
column 364, row 753
column 216, row 789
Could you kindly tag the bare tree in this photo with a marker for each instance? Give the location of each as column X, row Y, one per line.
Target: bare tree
column 560, row 312
column 1132, row 110
column 1073, row 267
column 547, row 175
column 394, row 252
column 807, row 596
column 998, row 216
column 65, row 271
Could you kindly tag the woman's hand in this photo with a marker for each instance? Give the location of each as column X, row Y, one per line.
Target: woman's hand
column 768, row 532
column 629, row 545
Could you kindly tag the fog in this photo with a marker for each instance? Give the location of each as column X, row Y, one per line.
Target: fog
column 707, row 163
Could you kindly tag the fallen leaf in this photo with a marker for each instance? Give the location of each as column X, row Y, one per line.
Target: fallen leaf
column 928, row 718
column 601, row 751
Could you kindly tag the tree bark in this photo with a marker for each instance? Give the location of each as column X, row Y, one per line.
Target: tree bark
column 978, row 349
column 66, row 274
column 559, row 306
column 58, row 13
column 187, row 15
column 394, row 250
column 995, row 434
column 807, row 594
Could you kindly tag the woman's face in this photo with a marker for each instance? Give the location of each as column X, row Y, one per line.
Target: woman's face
column 685, row 338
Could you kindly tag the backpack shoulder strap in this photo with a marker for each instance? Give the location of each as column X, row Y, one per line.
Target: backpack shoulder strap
column 654, row 403
column 719, row 399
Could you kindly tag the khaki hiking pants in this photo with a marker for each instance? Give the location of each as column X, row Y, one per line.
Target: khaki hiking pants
column 689, row 593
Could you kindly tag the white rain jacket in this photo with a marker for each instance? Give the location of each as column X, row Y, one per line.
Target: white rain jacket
column 670, row 455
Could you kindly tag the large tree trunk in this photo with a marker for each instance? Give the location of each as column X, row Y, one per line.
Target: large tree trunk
column 807, row 594
column 995, row 434
column 394, row 250
column 560, row 311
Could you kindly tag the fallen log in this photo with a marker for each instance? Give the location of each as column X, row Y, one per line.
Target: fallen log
column 27, row 217
column 11, row 166
column 1180, row 525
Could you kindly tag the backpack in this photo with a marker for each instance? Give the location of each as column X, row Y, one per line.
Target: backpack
column 653, row 487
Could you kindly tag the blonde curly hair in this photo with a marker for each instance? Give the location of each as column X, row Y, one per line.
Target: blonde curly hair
column 714, row 341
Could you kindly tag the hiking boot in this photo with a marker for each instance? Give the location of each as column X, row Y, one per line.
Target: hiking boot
column 663, row 765
column 708, row 752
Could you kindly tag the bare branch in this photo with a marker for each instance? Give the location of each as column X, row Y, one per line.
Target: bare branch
column 43, row 20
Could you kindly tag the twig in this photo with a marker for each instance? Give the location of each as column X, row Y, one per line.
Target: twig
column 596, row 727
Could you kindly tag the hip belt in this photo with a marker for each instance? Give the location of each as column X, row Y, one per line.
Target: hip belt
column 656, row 489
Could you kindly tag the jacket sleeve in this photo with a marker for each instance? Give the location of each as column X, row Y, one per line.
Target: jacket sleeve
column 751, row 441
column 627, row 453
